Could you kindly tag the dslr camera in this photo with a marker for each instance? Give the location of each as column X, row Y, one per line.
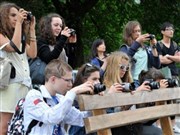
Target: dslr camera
column 151, row 36
column 153, row 84
column 98, row 88
column 127, row 87
column 29, row 15
column 172, row 82
column 72, row 32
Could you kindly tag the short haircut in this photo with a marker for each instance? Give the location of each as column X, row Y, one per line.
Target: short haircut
column 152, row 73
column 56, row 68
column 166, row 25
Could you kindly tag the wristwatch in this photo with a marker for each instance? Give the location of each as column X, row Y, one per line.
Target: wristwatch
column 154, row 46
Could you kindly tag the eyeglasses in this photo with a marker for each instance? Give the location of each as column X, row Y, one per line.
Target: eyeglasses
column 169, row 29
column 67, row 80
column 124, row 67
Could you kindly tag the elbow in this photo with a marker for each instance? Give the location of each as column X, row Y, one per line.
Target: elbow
column 33, row 56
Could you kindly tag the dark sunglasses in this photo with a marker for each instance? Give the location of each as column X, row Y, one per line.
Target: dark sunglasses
column 124, row 67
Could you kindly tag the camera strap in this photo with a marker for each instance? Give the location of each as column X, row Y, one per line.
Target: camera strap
column 23, row 41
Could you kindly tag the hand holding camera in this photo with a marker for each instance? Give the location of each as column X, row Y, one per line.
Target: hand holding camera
column 72, row 38
column 128, row 87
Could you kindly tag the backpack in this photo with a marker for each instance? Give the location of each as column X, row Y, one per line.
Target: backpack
column 15, row 126
column 37, row 68
column 174, row 44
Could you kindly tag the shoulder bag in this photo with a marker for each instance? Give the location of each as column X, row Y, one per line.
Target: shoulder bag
column 7, row 70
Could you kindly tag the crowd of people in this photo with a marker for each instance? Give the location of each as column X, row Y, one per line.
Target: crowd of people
column 134, row 63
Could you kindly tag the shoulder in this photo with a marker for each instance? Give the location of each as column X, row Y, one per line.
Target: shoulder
column 33, row 93
column 175, row 45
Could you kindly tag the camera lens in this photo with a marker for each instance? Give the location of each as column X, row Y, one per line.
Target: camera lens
column 153, row 84
column 72, row 32
column 29, row 16
column 151, row 36
column 172, row 83
column 98, row 88
column 128, row 87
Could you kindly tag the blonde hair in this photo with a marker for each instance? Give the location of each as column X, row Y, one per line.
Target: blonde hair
column 112, row 73
column 56, row 68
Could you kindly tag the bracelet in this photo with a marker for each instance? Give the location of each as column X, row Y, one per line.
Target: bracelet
column 32, row 39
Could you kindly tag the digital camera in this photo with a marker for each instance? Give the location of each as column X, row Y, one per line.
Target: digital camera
column 98, row 88
column 172, row 82
column 151, row 36
column 153, row 84
column 72, row 32
column 29, row 16
column 127, row 87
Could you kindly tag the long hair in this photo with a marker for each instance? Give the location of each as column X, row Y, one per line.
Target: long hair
column 112, row 73
column 45, row 28
column 84, row 72
column 128, row 30
column 5, row 27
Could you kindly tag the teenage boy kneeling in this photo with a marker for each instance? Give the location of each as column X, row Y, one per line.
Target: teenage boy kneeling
column 57, row 110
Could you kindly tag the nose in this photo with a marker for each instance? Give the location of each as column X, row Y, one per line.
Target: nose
column 97, row 81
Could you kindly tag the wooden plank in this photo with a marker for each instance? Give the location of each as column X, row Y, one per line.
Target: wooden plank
column 90, row 102
column 104, row 121
column 166, row 126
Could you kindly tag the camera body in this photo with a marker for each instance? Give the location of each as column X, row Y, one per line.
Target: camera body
column 172, row 82
column 29, row 16
column 99, row 88
column 153, row 84
column 127, row 87
column 72, row 32
column 151, row 36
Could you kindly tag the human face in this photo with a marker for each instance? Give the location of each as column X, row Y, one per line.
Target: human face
column 56, row 25
column 168, row 32
column 136, row 32
column 101, row 47
column 64, row 83
column 124, row 67
column 94, row 77
column 13, row 16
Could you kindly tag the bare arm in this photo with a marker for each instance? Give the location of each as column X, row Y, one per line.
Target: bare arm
column 31, row 48
column 165, row 60
column 175, row 57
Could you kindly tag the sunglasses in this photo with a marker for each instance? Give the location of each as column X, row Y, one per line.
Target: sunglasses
column 124, row 67
column 89, row 68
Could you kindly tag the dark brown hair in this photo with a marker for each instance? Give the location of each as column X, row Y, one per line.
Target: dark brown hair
column 45, row 29
column 5, row 27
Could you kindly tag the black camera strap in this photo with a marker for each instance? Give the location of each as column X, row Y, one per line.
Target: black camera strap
column 23, row 41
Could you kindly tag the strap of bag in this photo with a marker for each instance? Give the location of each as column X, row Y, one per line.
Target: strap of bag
column 16, row 49
column 35, row 122
column 4, row 45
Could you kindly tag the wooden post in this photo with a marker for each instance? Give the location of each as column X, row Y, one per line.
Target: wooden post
column 104, row 131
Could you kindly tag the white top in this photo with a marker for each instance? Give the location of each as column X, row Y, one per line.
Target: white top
column 50, row 113
column 20, row 62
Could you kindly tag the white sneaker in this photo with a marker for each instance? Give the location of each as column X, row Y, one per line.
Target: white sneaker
column 176, row 129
